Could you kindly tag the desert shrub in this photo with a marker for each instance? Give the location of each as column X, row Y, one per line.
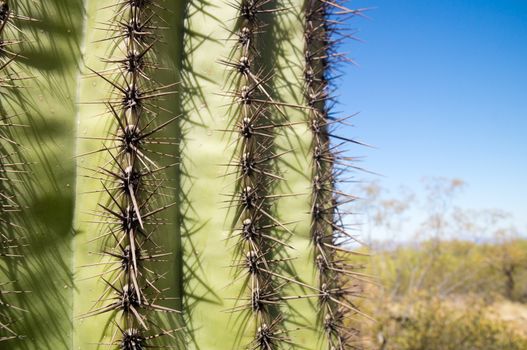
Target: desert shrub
column 430, row 323
column 493, row 269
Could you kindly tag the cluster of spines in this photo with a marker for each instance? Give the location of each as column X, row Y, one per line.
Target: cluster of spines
column 132, row 179
column 11, row 166
column 259, row 235
column 335, row 273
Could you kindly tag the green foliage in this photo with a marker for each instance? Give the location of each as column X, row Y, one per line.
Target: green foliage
column 429, row 323
column 455, row 267
column 447, row 295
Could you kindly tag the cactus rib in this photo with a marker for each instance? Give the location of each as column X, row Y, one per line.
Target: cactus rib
column 133, row 181
column 336, row 285
column 257, row 246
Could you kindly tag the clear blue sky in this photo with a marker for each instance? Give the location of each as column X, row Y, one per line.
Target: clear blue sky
column 441, row 88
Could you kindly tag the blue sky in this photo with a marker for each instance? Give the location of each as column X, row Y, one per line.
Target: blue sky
column 441, row 87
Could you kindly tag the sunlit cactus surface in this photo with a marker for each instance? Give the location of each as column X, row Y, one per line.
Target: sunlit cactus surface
column 173, row 176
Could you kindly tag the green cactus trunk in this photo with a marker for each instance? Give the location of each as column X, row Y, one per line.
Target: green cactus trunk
column 182, row 189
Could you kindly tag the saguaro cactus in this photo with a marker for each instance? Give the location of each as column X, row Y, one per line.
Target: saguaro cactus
column 172, row 177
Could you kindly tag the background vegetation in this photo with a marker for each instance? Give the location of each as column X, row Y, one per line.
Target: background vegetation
column 458, row 281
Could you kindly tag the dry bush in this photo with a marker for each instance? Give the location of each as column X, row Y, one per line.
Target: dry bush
column 425, row 322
